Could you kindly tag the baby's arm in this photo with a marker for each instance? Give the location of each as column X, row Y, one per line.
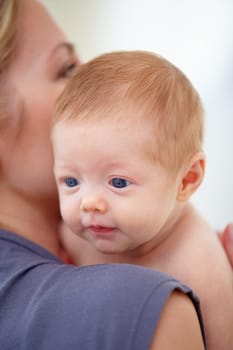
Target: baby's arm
column 178, row 327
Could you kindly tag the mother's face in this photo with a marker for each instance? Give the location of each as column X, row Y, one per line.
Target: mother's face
column 42, row 63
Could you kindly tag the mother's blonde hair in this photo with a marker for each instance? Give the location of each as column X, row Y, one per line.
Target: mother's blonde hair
column 8, row 28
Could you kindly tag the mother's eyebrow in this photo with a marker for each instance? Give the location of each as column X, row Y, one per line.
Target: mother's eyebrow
column 64, row 45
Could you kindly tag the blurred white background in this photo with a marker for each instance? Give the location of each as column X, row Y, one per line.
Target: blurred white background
column 197, row 36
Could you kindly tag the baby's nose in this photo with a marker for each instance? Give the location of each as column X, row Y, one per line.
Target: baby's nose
column 93, row 203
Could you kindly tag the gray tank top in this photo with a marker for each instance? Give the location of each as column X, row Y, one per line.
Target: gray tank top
column 47, row 305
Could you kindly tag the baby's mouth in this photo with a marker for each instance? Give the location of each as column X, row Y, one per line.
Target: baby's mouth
column 98, row 229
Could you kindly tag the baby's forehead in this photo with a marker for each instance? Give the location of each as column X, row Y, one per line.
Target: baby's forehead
column 124, row 124
column 115, row 129
column 110, row 128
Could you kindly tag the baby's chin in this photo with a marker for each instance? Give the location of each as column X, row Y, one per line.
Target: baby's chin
column 107, row 247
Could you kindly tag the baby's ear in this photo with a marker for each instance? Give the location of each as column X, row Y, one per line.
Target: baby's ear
column 192, row 177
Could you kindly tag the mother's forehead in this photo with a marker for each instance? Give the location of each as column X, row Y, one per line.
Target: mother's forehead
column 36, row 29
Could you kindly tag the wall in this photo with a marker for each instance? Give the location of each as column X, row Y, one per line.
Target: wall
column 196, row 35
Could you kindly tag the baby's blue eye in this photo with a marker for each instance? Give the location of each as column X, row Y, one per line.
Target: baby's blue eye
column 119, row 183
column 71, row 181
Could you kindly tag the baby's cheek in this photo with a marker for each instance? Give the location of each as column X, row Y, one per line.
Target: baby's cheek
column 75, row 218
column 129, row 217
column 67, row 210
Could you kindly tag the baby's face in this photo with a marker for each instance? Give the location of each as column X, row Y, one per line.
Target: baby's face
column 112, row 193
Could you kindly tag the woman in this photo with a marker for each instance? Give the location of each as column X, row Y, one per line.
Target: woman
column 44, row 303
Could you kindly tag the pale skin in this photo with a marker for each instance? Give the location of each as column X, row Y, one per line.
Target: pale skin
column 101, row 194
column 29, row 204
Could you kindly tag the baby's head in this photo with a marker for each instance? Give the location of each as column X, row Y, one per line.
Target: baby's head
column 147, row 89
column 127, row 139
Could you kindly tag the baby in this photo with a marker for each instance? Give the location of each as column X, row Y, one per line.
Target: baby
column 127, row 138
